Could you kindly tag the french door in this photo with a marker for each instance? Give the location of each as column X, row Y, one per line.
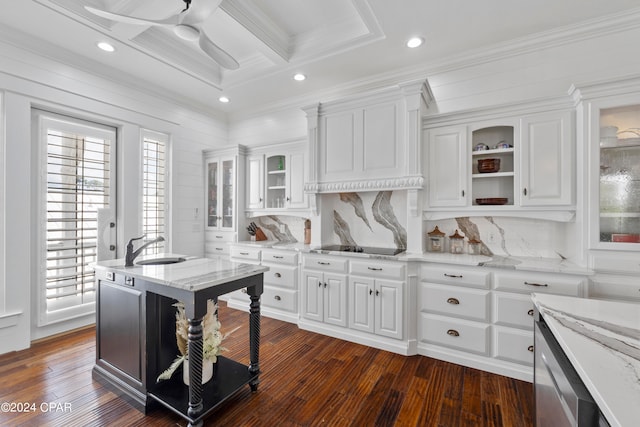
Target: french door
column 77, row 186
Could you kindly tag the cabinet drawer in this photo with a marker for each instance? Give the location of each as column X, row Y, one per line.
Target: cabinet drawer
column 623, row 288
column 615, row 262
column 216, row 248
column 455, row 275
column 325, row 264
column 539, row 282
column 219, row 236
column 513, row 345
column 454, row 301
column 282, row 276
column 280, row 257
column 282, row 299
column 378, row 269
column 456, row 333
column 513, row 310
column 245, row 254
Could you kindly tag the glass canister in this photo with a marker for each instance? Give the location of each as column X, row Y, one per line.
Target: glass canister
column 456, row 243
column 435, row 241
column 475, row 246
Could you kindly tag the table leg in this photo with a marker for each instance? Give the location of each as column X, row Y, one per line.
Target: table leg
column 254, row 339
column 195, row 368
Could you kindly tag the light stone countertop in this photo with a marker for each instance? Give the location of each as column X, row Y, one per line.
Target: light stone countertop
column 602, row 341
column 194, row 274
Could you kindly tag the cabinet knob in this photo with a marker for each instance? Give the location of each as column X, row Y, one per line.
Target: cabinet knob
column 377, row 292
column 244, row 290
column 453, row 301
column 260, row 199
column 455, row 276
column 288, row 199
column 325, row 285
column 453, row 333
column 277, row 298
column 540, row 285
column 370, row 291
column 530, row 348
column 530, row 312
column 278, row 275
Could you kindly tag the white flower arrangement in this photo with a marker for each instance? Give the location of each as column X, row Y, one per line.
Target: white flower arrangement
column 211, row 340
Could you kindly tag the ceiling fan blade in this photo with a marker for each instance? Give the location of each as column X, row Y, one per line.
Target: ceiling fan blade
column 220, row 56
column 172, row 20
column 199, row 11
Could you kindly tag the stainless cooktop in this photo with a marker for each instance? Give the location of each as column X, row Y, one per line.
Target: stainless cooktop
column 362, row 249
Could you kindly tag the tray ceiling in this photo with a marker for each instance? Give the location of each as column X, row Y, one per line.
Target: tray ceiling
column 334, row 42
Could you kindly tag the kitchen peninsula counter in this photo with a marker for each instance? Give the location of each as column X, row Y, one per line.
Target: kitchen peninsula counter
column 602, row 341
column 135, row 331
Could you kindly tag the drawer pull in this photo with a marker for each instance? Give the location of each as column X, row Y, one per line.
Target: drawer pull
column 453, row 301
column 530, row 312
column 455, row 276
column 278, row 275
column 277, row 298
column 244, row 290
column 375, row 268
column 370, row 291
column 219, row 249
column 453, row 333
column 219, row 237
column 540, row 285
column 244, row 253
column 278, row 256
column 324, row 263
column 530, row 348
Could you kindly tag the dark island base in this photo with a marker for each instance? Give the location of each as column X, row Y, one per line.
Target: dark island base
column 229, row 376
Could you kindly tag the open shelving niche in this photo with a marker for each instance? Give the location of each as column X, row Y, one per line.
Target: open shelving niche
column 497, row 184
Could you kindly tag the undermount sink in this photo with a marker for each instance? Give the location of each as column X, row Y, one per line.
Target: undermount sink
column 161, row 261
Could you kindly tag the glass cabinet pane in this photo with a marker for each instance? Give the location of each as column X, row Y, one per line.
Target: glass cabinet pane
column 619, row 198
column 276, row 185
column 227, row 193
column 212, row 194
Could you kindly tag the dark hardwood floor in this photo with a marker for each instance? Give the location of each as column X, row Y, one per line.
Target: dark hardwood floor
column 307, row 380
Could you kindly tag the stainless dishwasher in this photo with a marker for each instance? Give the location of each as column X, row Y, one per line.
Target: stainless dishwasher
column 561, row 398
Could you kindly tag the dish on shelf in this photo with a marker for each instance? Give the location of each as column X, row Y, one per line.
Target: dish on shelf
column 480, row 147
column 488, row 165
column 502, row 145
column 492, row 201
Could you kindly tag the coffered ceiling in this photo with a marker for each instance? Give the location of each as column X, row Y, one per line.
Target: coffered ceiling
column 335, row 43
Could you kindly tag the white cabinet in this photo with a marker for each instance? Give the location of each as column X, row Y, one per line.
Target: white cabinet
column 220, row 188
column 547, row 159
column 447, row 179
column 280, row 297
column 519, row 166
column 362, row 143
column 276, row 176
column 376, row 302
column 255, row 182
column 216, row 243
column 324, row 290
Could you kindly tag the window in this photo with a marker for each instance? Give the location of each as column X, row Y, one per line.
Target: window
column 77, row 180
column 154, row 160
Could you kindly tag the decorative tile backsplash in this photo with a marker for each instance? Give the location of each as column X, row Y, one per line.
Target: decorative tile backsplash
column 286, row 229
column 506, row 236
column 367, row 219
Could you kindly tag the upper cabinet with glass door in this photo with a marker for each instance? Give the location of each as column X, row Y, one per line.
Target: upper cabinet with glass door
column 220, row 197
column 618, row 219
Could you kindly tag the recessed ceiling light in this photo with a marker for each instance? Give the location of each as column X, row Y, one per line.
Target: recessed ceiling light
column 299, row 77
column 415, row 42
column 107, row 47
column 223, row 99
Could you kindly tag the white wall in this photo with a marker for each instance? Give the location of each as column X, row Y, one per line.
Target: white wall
column 28, row 81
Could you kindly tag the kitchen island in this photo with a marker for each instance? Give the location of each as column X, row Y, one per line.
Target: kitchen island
column 601, row 339
column 135, row 331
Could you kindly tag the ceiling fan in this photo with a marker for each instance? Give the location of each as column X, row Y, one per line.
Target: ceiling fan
column 186, row 25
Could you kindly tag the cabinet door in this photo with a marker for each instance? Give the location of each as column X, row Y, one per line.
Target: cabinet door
column 546, row 159
column 296, row 198
column 447, row 160
column 213, row 179
column 382, row 145
column 389, row 308
column 340, row 138
column 361, row 303
column 335, row 299
column 255, row 182
column 228, row 193
column 312, row 295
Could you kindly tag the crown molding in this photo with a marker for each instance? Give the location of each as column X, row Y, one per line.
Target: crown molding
column 611, row 87
column 400, row 183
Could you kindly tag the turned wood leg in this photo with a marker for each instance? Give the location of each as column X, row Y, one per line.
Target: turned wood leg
column 254, row 339
column 195, row 367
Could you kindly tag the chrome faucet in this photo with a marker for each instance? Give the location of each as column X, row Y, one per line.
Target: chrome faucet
column 131, row 255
